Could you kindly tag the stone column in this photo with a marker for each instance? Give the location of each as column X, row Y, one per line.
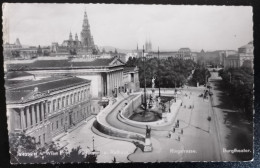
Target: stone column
column 122, row 80
column 23, row 125
column 28, row 117
column 108, row 85
column 51, row 105
column 43, row 111
column 46, row 109
column 56, row 104
column 33, row 115
column 118, row 74
column 38, row 113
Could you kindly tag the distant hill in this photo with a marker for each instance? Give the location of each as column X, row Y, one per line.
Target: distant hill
column 110, row 48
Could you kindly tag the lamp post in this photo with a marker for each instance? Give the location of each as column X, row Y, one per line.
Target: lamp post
column 159, row 72
column 145, row 102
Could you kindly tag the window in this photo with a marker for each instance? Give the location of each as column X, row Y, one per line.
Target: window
column 71, row 99
column 57, row 124
column 54, row 103
column 40, row 139
column 67, row 100
column 62, row 103
column 75, row 97
column 82, row 95
column 59, row 103
column 43, row 136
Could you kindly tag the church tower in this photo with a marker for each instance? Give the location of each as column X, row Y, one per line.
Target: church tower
column 76, row 37
column 86, row 37
column 70, row 37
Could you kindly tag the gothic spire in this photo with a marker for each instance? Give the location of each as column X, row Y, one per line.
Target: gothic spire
column 85, row 21
column 70, row 37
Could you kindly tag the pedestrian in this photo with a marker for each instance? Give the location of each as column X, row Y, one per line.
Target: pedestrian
column 169, row 134
column 181, row 131
column 179, row 138
column 173, row 130
column 178, row 121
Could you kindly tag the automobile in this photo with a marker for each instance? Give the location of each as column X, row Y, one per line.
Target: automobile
column 210, row 93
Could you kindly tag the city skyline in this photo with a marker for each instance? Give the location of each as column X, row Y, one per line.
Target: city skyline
column 118, row 26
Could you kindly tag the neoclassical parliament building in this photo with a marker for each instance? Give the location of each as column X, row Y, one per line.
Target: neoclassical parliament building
column 49, row 96
column 45, row 108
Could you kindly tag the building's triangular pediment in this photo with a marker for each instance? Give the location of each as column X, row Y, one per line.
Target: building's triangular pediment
column 116, row 62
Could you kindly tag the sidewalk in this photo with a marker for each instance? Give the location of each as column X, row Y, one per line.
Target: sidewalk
column 109, row 148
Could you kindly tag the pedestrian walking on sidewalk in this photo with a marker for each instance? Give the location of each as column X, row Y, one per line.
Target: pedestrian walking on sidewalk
column 173, row 130
column 181, row 131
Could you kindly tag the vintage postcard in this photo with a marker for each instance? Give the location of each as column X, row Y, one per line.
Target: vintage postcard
column 111, row 83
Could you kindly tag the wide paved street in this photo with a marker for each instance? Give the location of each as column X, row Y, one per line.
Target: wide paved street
column 203, row 139
column 234, row 129
column 109, row 148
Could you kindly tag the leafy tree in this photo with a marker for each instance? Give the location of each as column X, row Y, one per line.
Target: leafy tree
column 21, row 144
column 239, row 83
column 170, row 73
column 200, row 75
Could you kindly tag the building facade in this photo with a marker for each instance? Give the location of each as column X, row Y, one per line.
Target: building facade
column 131, row 79
column 184, row 53
column 244, row 57
column 47, row 108
column 106, row 75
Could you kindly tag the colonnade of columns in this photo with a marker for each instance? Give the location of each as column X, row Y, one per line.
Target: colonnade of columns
column 114, row 80
column 233, row 63
column 35, row 114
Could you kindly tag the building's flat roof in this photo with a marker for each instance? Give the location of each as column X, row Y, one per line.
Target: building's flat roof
column 15, row 94
column 56, row 64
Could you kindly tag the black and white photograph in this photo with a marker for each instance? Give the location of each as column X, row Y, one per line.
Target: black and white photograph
column 128, row 83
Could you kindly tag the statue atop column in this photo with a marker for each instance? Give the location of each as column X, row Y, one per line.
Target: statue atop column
column 148, row 132
column 153, row 82
column 148, row 144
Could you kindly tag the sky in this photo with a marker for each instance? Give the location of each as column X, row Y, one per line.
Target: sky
column 168, row 27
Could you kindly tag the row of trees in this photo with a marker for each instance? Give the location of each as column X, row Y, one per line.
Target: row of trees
column 239, row 83
column 200, row 76
column 24, row 149
column 170, row 73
